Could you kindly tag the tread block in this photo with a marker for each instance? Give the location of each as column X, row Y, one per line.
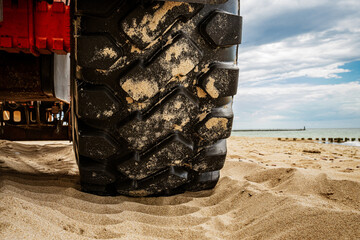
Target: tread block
column 90, row 25
column 174, row 113
column 144, row 26
column 155, row 185
column 94, row 8
column 101, row 190
column 97, row 52
column 215, row 128
column 95, row 173
column 222, row 29
column 217, row 125
column 97, row 145
column 208, row 176
column 177, row 60
column 221, row 80
column 96, row 103
column 204, row 181
column 173, row 151
column 97, row 76
column 211, row 158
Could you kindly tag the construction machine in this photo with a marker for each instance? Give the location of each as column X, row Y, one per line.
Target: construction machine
column 142, row 88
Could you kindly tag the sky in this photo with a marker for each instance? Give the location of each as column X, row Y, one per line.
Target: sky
column 299, row 65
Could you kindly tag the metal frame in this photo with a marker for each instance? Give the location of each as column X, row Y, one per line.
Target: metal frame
column 35, row 121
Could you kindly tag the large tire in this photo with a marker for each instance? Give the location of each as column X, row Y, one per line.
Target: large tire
column 152, row 94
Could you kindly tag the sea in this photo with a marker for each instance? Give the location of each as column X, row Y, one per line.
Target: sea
column 308, row 133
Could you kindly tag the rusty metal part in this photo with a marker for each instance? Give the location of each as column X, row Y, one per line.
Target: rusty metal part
column 24, row 77
column 34, row 121
column 1, row 10
column 15, row 133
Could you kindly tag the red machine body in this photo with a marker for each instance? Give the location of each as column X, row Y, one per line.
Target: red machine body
column 35, row 27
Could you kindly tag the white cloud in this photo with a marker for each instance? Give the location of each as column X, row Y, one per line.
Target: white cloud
column 268, row 8
column 315, row 53
column 295, row 105
column 295, row 15
column 309, row 55
column 289, row 41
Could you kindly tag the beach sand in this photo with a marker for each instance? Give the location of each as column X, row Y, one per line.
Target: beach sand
column 269, row 189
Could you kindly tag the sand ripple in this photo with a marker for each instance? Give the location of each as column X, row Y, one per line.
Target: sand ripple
column 40, row 199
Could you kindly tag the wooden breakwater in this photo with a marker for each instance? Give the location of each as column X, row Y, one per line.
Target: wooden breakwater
column 337, row 140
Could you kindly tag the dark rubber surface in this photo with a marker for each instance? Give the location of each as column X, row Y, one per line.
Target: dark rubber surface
column 152, row 94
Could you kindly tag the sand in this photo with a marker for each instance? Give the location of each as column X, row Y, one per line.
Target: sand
column 269, row 189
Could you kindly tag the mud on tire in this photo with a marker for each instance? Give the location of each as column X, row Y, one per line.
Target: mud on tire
column 152, row 94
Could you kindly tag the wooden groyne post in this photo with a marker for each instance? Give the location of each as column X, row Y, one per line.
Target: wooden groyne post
column 338, row 140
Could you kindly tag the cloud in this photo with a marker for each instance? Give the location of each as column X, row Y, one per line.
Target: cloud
column 318, row 55
column 290, row 46
column 311, row 51
column 268, row 21
column 295, row 105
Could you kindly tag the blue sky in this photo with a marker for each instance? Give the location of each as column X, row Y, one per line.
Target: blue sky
column 299, row 64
